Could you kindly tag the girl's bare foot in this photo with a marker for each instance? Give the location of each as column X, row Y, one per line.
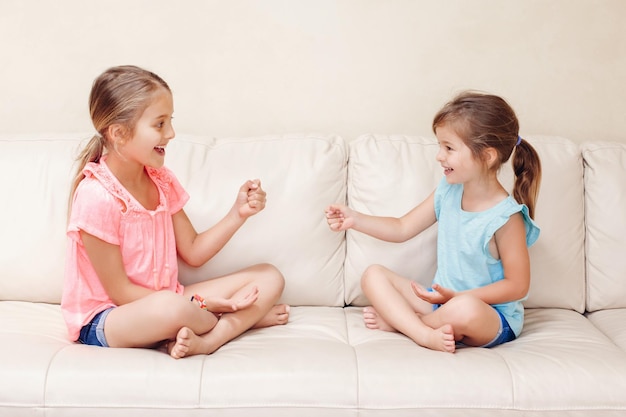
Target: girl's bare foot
column 278, row 315
column 187, row 343
column 374, row 321
column 441, row 339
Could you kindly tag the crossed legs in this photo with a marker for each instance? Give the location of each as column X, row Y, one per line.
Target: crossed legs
column 166, row 316
column 395, row 307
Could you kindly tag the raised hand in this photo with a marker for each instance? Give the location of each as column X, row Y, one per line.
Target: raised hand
column 339, row 217
column 251, row 198
column 230, row 305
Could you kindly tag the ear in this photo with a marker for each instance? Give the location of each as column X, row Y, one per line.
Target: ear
column 491, row 156
column 117, row 134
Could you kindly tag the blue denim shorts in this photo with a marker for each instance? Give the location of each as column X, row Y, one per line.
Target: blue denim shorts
column 505, row 334
column 92, row 333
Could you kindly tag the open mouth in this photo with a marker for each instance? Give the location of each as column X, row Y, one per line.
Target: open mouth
column 446, row 171
column 160, row 150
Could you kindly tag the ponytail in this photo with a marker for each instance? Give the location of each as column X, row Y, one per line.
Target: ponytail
column 92, row 152
column 527, row 169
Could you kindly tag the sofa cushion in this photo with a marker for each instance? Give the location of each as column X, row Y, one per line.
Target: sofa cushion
column 35, row 177
column 605, row 216
column 561, row 364
column 32, row 335
column 282, row 370
column 611, row 323
column 301, row 174
column 389, row 175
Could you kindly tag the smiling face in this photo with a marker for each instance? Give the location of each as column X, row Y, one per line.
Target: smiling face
column 458, row 163
column 151, row 133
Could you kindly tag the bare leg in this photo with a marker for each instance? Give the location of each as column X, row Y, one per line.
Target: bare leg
column 133, row 324
column 399, row 308
column 475, row 322
column 186, row 338
column 278, row 315
column 270, row 283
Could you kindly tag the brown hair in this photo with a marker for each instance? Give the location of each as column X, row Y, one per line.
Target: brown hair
column 118, row 96
column 488, row 121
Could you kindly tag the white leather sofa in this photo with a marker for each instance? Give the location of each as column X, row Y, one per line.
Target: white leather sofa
column 569, row 360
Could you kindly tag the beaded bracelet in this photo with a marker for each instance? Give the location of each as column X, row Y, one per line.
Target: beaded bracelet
column 198, row 299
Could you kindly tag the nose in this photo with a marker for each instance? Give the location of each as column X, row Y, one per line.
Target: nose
column 170, row 134
column 439, row 156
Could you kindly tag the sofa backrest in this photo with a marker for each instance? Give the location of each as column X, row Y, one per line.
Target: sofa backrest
column 35, row 177
column 301, row 174
column 389, row 175
column 605, row 217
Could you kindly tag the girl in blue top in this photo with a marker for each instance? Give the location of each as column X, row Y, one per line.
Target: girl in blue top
column 483, row 266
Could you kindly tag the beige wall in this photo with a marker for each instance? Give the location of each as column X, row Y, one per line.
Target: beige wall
column 349, row 67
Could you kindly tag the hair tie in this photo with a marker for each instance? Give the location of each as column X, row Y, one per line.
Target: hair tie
column 519, row 140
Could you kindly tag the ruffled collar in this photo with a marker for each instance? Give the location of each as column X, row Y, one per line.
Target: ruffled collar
column 101, row 171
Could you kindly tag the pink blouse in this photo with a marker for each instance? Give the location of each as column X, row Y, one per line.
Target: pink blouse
column 103, row 208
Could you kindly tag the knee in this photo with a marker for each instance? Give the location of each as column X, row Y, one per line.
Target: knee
column 172, row 308
column 371, row 275
column 272, row 275
column 465, row 308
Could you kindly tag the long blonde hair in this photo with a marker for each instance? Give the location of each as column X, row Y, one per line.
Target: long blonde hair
column 118, row 96
column 488, row 121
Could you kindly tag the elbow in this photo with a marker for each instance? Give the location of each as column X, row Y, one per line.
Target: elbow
column 520, row 292
column 195, row 263
column 521, row 295
column 193, row 260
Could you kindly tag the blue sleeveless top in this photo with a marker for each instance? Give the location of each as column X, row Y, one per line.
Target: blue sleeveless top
column 463, row 258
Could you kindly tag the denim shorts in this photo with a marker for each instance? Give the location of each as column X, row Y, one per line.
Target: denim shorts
column 92, row 333
column 505, row 334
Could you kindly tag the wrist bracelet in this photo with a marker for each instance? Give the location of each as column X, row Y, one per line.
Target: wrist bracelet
column 198, row 299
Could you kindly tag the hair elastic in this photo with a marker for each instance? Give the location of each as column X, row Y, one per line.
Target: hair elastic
column 519, row 140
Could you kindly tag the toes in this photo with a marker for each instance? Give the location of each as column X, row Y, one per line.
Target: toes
column 369, row 310
column 282, row 318
column 369, row 316
column 282, row 309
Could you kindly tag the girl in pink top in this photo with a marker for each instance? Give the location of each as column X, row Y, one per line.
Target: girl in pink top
column 127, row 226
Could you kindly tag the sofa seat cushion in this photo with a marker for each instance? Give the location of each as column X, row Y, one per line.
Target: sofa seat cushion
column 32, row 335
column 308, row 364
column 324, row 362
column 543, row 370
column 611, row 323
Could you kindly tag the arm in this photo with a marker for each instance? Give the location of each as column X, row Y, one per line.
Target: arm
column 197, row 248
column 106, row 260
column 510, row 241
column 390, row 229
